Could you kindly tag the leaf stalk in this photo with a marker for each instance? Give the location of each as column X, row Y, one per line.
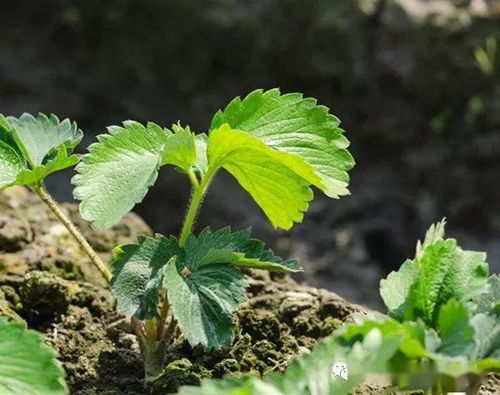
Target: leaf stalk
column 72, row 229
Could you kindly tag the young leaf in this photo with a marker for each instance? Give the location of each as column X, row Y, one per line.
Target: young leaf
column 296, row 125
column 138, row 271
column 117, row 171
column 488, row 302
column 311, row 373
column 486, row 336
column 395, row 288
column 27, row 365
column 10, row 165
column 203, row 302
column 279, row 182
column 441, row 271
column 455, row 331
column 180, row 148
column 235, row 248
column 32, row 148
column 37, row 137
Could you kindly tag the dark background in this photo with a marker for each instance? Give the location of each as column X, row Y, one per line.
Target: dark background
column 422, row 116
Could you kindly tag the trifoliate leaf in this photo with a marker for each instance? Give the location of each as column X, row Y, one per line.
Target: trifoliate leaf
column 277, row 181
column 296, row 125
column 37, row 137
column 203, row 302
column 41, row 145
column 117, row 171
column 180, row 148
column 27, row 365
column 10, row 165
column 486, row 335
column 395, row 288
column 235, row 248
column 138, row 271
column 455, row 330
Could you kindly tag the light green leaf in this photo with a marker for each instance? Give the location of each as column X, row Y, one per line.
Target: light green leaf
column 277, row 181
column 433, row 234
column 117, row 171
column 203, row 302
column 296, row 125
column 37, row 137
column 201, row 163
column 180, row 148
column 489, row 302
column 235, row 248
column 36, row 147
column 10, row 165
column 27, row 365
column 486, row 335
column 395, row 288
column 455, row 330
column 138, row 271
column 437, row 260
column 441, row 271
column 60, row 162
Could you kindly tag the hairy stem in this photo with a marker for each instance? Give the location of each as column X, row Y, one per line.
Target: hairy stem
column 199, row 191
column 72, row 229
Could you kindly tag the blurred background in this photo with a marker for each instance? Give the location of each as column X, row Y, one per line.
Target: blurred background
column 416, row 84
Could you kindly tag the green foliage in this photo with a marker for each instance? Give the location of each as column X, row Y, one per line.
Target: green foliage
column 118, row 170
column 296, row 125
column 27, row 365
column 463, row 338
column 440, row 271
column 31, row 148
column 311, row 373
column 447, row 291
column 276, row 146
column 204, row 288
column 204, row 300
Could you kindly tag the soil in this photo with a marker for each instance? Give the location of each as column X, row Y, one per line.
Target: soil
column 47, row 282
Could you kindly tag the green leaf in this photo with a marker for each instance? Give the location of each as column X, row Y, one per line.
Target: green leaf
column 10, row 165
column 27, row 365
column 32, row 148
column 201, row 162
column 440, row 271
column 410, row 336
column 488, row 302
column 138, row 272
column 203, row 302
column 278, row 182
column 311, row 373
column 486, row 335
column 117, row 171
column 180, row 148
column 235, row 248
column 395, row 288
column 37, row 137
column 455, row 330
column 296, row 125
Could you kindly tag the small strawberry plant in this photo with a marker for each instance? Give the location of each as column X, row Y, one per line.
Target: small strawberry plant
column 441, row 334
column 276, row 146
column 32, row 148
